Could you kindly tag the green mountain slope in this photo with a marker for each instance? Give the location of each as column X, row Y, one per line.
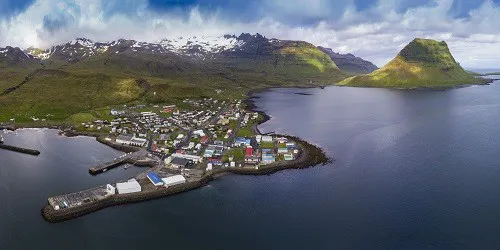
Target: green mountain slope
column 422, row 63
column 82, row 76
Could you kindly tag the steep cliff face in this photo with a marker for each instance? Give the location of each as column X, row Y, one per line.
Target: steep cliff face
column 422, row 63
column 350, row 63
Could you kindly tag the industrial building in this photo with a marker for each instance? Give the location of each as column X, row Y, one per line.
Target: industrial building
column 194, row 158
column 155, row 179
column 110, row 190
column 131, row 186
column 173, row 180
column 180, row 162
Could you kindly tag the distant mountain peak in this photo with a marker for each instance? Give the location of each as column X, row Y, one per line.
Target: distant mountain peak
column 421, row 63
column 349, row 62
column 429, row 52
column 14, row 56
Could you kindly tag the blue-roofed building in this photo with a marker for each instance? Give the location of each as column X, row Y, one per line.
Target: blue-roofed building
column 155, row 179
column 266, row 158
column 208, row 153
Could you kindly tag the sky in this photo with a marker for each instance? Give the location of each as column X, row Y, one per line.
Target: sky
column 373, row 29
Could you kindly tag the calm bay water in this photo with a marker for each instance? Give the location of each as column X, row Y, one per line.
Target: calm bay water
column 413, row 170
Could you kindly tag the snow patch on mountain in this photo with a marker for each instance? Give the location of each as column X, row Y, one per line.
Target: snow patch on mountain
column 196, row 46
column 202, row 44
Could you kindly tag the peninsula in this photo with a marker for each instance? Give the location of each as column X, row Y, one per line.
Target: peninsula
column 180, row 149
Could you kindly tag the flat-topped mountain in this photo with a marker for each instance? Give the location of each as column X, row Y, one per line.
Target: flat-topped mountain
column 350, row 63
column 422, row 63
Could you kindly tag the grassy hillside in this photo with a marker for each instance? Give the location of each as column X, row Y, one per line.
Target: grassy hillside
column 74, row 91
column 422, row 63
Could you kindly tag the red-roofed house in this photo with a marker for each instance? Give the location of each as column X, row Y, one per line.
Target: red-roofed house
column 204, row 139
column 249, row 152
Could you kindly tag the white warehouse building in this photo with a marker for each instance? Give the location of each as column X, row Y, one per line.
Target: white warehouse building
column 131, row 186
column 173, row 180
column 194, row 158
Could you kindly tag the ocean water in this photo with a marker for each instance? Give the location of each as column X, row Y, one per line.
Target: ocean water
column 412, row 170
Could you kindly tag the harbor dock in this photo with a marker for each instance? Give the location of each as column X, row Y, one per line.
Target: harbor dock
column 138, row 159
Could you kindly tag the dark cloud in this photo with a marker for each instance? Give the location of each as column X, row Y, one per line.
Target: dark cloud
column 55, row 22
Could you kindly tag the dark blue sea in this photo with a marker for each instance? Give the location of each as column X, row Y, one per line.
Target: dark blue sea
column 412, row 170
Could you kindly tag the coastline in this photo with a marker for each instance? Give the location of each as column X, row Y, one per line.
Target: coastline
column 486, row 82
column 310, row 156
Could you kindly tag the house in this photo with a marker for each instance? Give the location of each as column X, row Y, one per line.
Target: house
column 267, row 138
column 288, row 157
column 204, row 140
column 199, row 133
column 209, row 153
column 282, row 150
column 252, row 159
column 124, row 139
column 131, row 140
column 193, row 158
column 281, row 140
column 215, row 161
column 138, row 142
column 180, row 162
column 258, row 138
column 248, row 152
column 267, row 158
column 116, row 112
column 223, row 121
column 241, row 141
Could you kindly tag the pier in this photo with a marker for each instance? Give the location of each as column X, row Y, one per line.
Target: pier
column 19, row 150
column 138, row 158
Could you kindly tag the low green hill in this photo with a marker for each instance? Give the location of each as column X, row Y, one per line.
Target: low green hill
column 422, row 63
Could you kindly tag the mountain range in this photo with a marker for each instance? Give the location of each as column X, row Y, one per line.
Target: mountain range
column 84, row 75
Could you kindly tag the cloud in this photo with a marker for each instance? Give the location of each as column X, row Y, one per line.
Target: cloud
column 375, row 30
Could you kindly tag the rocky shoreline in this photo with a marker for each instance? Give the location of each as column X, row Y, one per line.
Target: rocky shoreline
column 310, row 156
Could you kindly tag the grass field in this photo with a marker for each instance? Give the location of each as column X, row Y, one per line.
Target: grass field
column 269, row 145
column 237, row 153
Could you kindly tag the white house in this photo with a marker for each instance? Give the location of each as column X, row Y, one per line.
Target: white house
column 267, row 138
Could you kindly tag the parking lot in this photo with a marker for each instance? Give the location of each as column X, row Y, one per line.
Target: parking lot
column 79, row 198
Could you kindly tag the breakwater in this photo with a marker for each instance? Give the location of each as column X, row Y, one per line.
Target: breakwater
column 19, row 150
column 310, row 156
column 127, row 160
